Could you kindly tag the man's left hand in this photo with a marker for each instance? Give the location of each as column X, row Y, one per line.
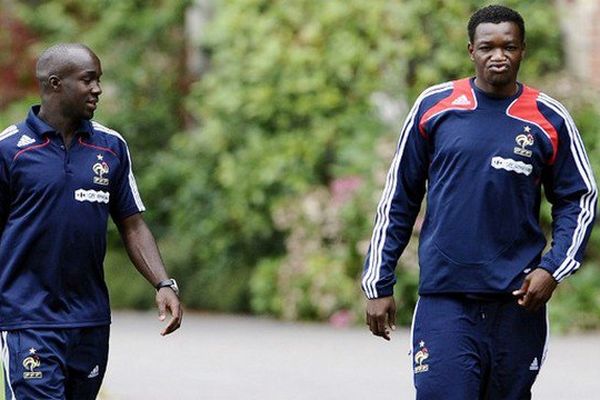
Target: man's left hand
column 166, row 299
column 536, row 290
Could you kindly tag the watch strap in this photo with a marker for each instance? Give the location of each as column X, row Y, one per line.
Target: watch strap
column 164, row 283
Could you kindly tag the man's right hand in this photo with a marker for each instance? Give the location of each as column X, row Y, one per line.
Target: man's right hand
column 381, row 315
column 166, row 299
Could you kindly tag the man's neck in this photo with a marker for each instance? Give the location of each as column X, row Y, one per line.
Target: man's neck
column 497, row 91
column 64, row 126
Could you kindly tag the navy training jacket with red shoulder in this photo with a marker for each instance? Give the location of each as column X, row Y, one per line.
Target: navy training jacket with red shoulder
column 482, row 161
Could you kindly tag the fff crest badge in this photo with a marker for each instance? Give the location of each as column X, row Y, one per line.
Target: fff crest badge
column 420, row 357
column 101, row 169
column 31, row 363
column 524, row 140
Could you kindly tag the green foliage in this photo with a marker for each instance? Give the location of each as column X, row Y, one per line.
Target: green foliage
column 126, row 287
column 312, row 280
column 206, row 238
column 287, row 95
column 16, row 111
column 267, row 204
column 141, row 46
column 286, row 112
column 433, row 40
column 576, row 303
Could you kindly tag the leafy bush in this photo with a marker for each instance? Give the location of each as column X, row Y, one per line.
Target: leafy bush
column 141, row 46
column 283, row 106
column 311, row 281
column 576, row 304
column 293, row 103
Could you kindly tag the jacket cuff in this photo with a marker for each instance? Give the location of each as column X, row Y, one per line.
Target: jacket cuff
column 560, row 271
column 382, row 291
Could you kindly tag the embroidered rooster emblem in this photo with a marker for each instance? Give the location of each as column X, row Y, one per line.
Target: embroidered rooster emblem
column 100, row 169
column 31, row 362
column 421, row 356
column 524, row 140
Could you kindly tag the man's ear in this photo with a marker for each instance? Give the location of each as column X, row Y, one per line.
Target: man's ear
column 54, row 82
column 470, row 50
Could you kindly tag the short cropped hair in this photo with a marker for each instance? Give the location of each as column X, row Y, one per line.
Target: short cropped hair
column 56, row 59
column 495, row 14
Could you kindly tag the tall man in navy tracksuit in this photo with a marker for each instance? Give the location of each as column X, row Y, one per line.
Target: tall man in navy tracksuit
column 481, row 149
column 61, row 176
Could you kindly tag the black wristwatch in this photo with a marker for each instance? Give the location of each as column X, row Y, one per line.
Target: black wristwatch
column 171, row 283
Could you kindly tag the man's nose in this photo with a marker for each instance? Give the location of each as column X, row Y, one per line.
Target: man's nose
column 97, row 89
column 498, row 54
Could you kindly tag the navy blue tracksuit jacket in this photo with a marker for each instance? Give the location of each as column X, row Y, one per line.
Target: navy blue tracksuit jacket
column 482, row 161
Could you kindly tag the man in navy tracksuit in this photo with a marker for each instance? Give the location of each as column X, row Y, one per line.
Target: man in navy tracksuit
column 481, row 149
column 61, row 177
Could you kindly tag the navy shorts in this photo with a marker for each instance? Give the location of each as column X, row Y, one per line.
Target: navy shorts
column 54, row 364
column 476, row 349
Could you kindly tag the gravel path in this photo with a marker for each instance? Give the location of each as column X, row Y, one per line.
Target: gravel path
column 232, row 357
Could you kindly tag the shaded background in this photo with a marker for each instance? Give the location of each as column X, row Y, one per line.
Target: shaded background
column 261, row 132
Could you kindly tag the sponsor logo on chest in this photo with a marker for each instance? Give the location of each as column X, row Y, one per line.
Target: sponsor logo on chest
column 101, row 170
column 93, row 196
column 508, row 164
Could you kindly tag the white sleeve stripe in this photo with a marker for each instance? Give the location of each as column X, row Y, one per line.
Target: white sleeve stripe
column 373, row 272
column 573, row 133
column 582, row 162
column 569, row 268
column 588, row 200
column 378, row 240
column 566, row 265
column 131, row 178
column 372, row 275
column 8, row 132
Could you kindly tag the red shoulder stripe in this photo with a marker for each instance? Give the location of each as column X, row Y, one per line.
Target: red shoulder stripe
column 461, row 98
column 93, row 146
column 525, row 108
